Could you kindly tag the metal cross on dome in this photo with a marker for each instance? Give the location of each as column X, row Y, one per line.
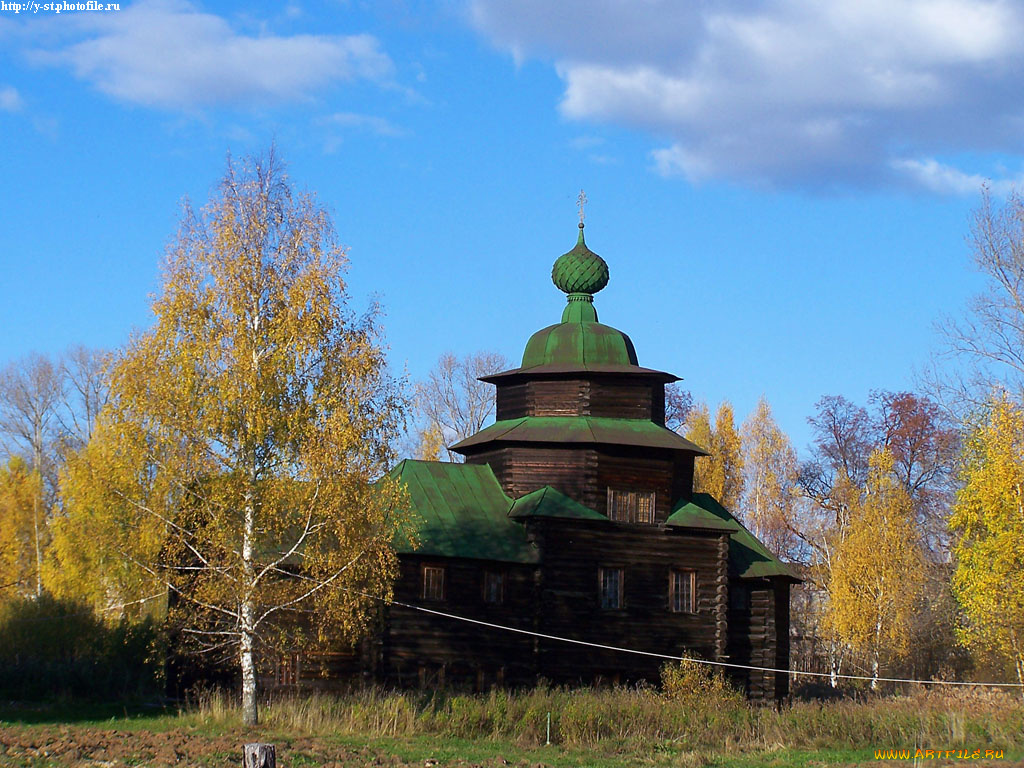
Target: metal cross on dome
column 581, row 200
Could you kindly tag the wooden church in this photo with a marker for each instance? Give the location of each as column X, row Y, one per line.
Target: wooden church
column 574, row 516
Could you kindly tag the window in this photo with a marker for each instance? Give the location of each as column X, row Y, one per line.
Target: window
column 494, row 587
column 681, row 591
column 631, row 506
column 610, row 583
column 433, row 582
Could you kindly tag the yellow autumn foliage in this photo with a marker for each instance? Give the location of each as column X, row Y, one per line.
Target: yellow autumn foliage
column 771, row 469
column 721, row 473
column 988, row 523
column 877, row 569
column 19, row 488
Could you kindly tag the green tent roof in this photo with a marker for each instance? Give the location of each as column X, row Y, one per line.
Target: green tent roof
column 580, row 429
column 579, row 344
column 548, row 502
column 558, row 369
column 748, row 557
column 463, row 513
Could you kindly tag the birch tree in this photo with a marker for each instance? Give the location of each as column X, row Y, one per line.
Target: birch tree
column 721, row 473
column 770, row 469
column 990, row 337
column 238, row 462
column 19, row 489
column 85, row 388
column 31, row 391
column 988, row 523
column 877, row 572
column 452, row 403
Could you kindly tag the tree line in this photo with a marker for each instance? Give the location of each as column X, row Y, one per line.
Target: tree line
column 226, row 470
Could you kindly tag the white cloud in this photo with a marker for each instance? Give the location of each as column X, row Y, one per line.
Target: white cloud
column 10, row 99
column 166, row 53
column 944, row 179
column 785, row 92
column 372, row 123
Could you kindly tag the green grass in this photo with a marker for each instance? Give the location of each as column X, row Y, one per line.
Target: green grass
column 604, row 728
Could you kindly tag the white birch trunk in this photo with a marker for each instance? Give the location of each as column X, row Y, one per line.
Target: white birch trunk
column 835, row 666
column 874, row 655
column 37, row 456
column 250, row 715
column 39, row 552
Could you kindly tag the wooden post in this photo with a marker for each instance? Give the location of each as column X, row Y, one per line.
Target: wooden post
column 259, row 756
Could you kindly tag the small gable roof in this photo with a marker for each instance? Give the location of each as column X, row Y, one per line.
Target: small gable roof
column 748, row 557
column 548, row 502
column 462, row 512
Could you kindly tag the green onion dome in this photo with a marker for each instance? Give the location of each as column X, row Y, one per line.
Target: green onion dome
column 580, row 270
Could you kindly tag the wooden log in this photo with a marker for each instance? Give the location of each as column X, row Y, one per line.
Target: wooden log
column 259, row 756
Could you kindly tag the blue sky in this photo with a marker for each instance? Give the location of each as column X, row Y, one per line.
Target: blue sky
column 782, row 191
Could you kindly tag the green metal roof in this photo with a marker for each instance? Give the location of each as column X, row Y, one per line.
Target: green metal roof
column 579, row 344
column 462, row 512
column 689, row 515
column 548, row 502
column 748, row 557
column 581, row 429
column 559, row 369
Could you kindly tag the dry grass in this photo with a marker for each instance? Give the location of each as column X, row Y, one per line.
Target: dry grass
column 643, row 718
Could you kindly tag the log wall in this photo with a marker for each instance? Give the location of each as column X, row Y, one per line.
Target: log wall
column 586, row 474
column 619, row 397
column 423, row 649
column 569, row 598
column 759, row 636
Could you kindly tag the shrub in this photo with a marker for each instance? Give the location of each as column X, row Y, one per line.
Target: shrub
column 689, row 680
column 58, row 647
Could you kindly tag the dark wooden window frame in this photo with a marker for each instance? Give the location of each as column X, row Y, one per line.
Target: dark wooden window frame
column 678, row 601
column 487, row 579
column 624, row 506
column 433, row 582
column 606, row 600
